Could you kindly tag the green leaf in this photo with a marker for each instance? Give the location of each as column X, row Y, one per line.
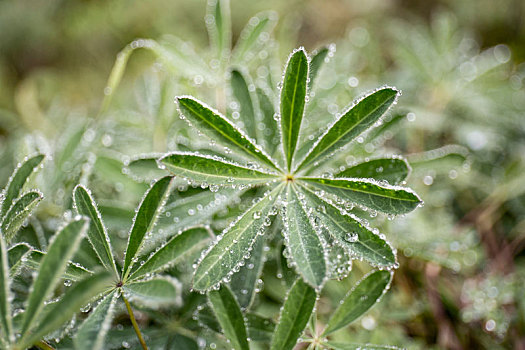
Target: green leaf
column 234, row 243
column 154, row 292
column 144, row 168
column 267, row 109
column 17, row 181
column 6, row 331
column 19, row 212
column 350, row 233
column 303, row 243
column 295, row 314
column 175, row 250
column 97, row 233
column 318, row 59
column 247, row 103
column 64, row 245
column 439, row 159
column 259, row 328
column 244, row 281
column 393, row 170
column 92, row 332
column 293, row 95
column 69, row 304
column 213, row 170
column 73, row 272
column 354, row 346
column 358, row 118
column 384, row 198
column 254, row 35
column 230, row 317
column 218, row 22
column 220, row 129
column 145, row 219
column 359, row 300
column 16, row 256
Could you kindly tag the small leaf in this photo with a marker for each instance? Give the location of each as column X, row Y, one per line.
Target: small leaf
column 247, row 103
column 384, row 198
column 234, row 244
column 19, row 213
column 92, row 332
column 16, row 256
column 439, row 159
column 358, row 118
column 303, row 243
column 354, row 346
column 144, row 168
column 230, row 317
column 69, row 304
column 316, row 63
column 73, row 272
column 175, row 250
column 17, row 181
column 259, row 328
column 145, row 219
column 64, row 245
column 212, row 171
column 295, row 314
column 153, row 292
column 218, row 22
column 361, row 298
column 267, row 109
column 254, row 35
column 5, row 294
column 293, row 96
column 393, row 170
column 220, row 129
column 97, row 233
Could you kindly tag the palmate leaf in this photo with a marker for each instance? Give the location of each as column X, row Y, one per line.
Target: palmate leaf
column 350, row 233
column 384, row 198
column 360, row 299
column 70, row 303
column 153, row 292
column 213, row 171
column 145, row 219
column 253, row 36
column 235, row 243
column 220, row 129
column 228, row 313
column 19, row 213
column 92, row 332
column 247, row 103
column 293, row 96
column 393, row 170
column 6, row 331
column 358, row 118
column 304, row 246
column 294, row 316
column 53, row 265
column 97, row 233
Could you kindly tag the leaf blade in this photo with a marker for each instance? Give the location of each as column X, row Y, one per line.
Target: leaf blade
column 154, row 292
column 393, row 170
column 19, row 212
column 252, row 35
column 5, row 293
column 247, row 103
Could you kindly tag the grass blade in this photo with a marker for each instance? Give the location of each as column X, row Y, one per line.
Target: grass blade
column 175, row 250
column 153, row 292
column 293, row 100
column 92, row 333
column 19, row 212
column 303, row 243
column 97, row 233
column 295, row 314
column 17, row 181
column 230, row 317
column 254, row 35
column 234, row 244
column 220, row 129
column 145, row 219
column 5, row 294
column 393, row 170
column 71, row 302
column 64, row 245
column 384, row 198
column 247, row 103
column 213, row 170
column 218, row 23
column 358, row 118
column 361, row 298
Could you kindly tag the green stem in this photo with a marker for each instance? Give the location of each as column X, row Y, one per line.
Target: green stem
column 134, row 323
column 43, row 345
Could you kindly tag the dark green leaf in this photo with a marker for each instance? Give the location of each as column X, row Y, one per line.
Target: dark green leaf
column 15, row 256
column 19, row 212
column 259, row 328
column 153, row 292
column 270, row 136
column 393, row 170
column 73, row 271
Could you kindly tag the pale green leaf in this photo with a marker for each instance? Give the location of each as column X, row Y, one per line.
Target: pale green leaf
column 218, row 22
column 234, row 243
column 72, row 272
column 358, row 118
column 6, row 331
column 144, row 168
column 230, row 317
column 247, row 103
column 63, row 247
column 17, row 181
column 145, row 219
column 270, row 134
column 175, row 250
column 213, row 171
column 153, row 292
column 384, row 198
column 97, row 233
column 319, row 57
column 393, row 170
column 19, row 213
column 294, row 316
column 220, row 129
column 439, row 159
column 16, row 256
column 359, row 300
column 304, row 246
column 254, row 35
column 293, row 95
column 92, row 332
